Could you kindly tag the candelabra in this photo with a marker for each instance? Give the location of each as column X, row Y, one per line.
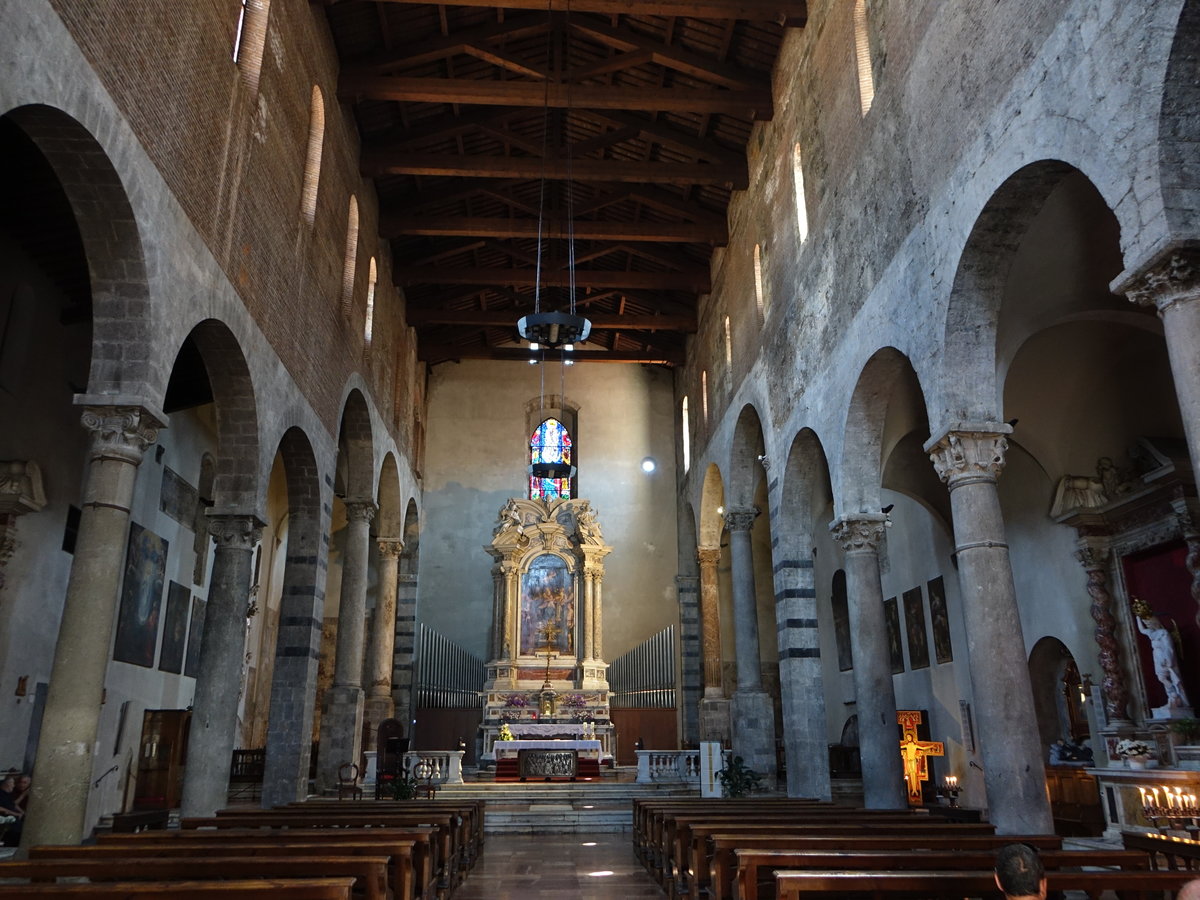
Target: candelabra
column 1173, row 811
column 951, row 790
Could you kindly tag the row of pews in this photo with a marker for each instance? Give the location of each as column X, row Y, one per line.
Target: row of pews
column 315, row 850
column 789, row 849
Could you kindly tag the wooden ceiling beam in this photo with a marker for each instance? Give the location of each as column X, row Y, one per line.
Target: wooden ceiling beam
column 447, row 127
column 434, row 48
column 436, row 353
column 355, row 84
column 392, row 225
column 507, row 318
column 695, row 279
column 531, row 168
column 669, row 137
column 790, row 13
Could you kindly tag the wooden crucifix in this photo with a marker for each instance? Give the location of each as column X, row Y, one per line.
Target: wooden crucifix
column 549, row 633
column 915, row 753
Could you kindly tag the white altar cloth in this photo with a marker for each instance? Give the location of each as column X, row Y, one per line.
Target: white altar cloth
column 508, row 749
column 536, row 729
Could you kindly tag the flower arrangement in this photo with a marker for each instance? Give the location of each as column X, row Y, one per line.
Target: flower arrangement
column 1129, row 747
column 574, row 701
column 505, row 733
column 516, row 701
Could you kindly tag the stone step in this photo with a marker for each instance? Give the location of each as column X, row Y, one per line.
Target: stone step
column 556, row 818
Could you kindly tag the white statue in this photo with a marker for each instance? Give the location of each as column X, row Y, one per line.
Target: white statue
column 1162, row 645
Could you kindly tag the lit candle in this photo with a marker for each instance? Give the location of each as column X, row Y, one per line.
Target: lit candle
column 1154, row 791
column 1142, row 791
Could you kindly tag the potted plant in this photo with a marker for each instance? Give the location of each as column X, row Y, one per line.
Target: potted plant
column 1135, row 753
column 1188, row 730
column 737, row 779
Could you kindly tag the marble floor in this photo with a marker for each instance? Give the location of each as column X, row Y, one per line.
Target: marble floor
column 587, row 867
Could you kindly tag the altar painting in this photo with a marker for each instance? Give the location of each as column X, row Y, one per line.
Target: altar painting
column 547, row 599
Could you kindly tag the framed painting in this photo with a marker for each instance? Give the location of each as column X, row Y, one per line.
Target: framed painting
column 895, row 649
column 547, row 607
column 914, row 624
column 141, row 597
column 170, row 659
column 191, row 660
column 942, row 649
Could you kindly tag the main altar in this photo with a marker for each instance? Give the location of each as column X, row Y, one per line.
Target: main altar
column 547, row 680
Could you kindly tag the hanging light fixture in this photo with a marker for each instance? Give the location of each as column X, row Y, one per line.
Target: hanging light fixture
column 554, row 329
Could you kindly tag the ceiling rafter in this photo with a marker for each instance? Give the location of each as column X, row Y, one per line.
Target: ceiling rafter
column 791, row 13
column 393, row 225
column 532, row 168
column 695, row 279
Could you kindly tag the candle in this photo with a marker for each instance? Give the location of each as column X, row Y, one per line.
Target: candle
column 1155, row 792
column 1142, row 791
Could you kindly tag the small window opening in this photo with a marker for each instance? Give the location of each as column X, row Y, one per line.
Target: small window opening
column 798, row 185
column 862, row 52
column 728, row 344
column 350, row 261
column 369, row 325
column 250, row 39
column 312, row 159
column 704, row 394
column 686, row 432
column 759, row 298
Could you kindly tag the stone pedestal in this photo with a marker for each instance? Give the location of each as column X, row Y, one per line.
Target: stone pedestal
column 716, row 721
column 753, row 714
column 58, row 804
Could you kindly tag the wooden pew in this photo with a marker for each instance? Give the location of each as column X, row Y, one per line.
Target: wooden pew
column 724, row 865
column 649, row 815
column 1179, row 854
column 1130, row 885
column 413, row 872
column 370, row 873
column 447, row 825
column 752, row 864
column 257, row 889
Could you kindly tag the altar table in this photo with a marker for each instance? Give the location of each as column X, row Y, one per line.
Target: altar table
column 510, row 749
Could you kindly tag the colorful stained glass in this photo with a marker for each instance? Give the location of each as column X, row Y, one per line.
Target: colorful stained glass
column 550, row 443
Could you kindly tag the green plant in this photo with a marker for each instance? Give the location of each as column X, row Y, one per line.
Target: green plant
column 1187, row 729
column 403, row 785
column 737, row 779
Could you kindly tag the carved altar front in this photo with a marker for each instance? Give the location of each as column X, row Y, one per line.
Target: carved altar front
column 546, row 659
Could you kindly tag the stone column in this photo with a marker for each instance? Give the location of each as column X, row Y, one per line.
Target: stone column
column 801, row 694
column 1171, row 284
column 512, row 621
column 598, row 614
column 58, row 805
column 213, row 733
column 379, row 705
column 687, row 592
column 496, row 639
column 874, row 695
column 341, row 720
column 589, row 613
column 404, row 648
column 710, row 620
column 1094, row 555
column 969, row 459
column 752, row 708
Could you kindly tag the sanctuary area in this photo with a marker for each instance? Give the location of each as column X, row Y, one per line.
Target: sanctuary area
column 629, row 400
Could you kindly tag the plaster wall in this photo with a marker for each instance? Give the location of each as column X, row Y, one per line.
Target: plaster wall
column 475, row 460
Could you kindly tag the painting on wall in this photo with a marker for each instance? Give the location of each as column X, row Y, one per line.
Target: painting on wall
column 914, row 623
column 942, row 649
column 547, row 607
column 174, row 628
column 191, row 661
column 895, row 648
column 141, row 597
column 841, row 623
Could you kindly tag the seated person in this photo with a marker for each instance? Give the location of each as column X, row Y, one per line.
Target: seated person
column 1019, row 873
column 8, row 807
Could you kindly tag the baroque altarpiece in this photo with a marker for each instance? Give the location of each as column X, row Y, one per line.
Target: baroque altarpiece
column 546, row 674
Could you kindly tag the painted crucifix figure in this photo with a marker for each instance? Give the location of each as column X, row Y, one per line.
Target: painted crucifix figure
column 915, row 753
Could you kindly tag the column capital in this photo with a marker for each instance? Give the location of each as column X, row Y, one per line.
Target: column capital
column 970, row 452
column 593, row 569
column 120, row 432
column 237, row 531
column 708, row 556
column 360, row 510
column 859, row 532
column 390, row 548
column 740, row 518
column 1093, row 554
column 1170, row 279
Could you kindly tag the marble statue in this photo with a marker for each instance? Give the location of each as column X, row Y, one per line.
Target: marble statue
column 1162, row 645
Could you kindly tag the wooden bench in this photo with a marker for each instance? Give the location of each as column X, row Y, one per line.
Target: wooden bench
column 412, row 873
column 1130, row 885
column 724, row 865
column 755, row 867
column 649, row 815
column 370, row 873
column 140, row 820
column 257, row 889
column 1179, row 854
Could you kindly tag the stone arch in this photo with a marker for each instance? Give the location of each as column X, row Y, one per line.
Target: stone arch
column 864, row 451
column 1050, row 661
column 237, row 476
column 121, row 308
column 745, row 469
column 388, row 523
column 712, row 504
column 355, row 466
column 971, row 392
column 688, row 541
column 298, row 645
column 1178, row 128
column 412, row 538
column 805, row 489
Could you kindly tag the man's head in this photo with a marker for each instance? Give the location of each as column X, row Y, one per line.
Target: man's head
column 1019, row 872
column 23, row 782
column 7, row 783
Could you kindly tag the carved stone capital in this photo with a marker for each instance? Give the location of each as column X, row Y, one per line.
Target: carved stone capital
column 1174, row 279
column 120, row 432
column 236, row 532
column 962, row 457
column 390, row 548
column 708, row 556
column 741, row 518
column 859, row 533
column 1093, row 555
column 361, row 511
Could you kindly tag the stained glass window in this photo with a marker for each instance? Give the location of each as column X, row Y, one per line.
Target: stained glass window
column 550, row 443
